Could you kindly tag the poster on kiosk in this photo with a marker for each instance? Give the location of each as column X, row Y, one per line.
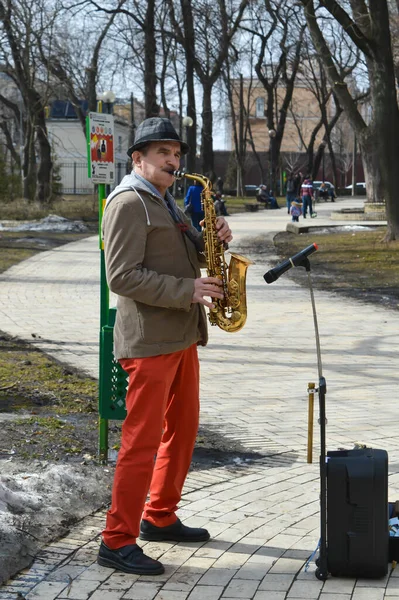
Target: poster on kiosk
column 100, row 140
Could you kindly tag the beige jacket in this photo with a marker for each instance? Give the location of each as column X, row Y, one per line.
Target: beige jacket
column 151, row 265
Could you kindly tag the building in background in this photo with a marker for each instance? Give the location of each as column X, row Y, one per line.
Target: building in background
column 302, row 116
column 68, row 141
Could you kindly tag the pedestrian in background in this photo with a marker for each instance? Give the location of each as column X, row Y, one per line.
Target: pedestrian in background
column 297, row 184
column 192, row 204
column 290, row 191
column 220, row 205
column 295, row 211
column 307, row 196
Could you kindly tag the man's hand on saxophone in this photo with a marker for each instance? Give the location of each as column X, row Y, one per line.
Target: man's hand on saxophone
column 224, row 231
column 207, row 287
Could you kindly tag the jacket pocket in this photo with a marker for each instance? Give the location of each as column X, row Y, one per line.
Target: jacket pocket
column 161, row 325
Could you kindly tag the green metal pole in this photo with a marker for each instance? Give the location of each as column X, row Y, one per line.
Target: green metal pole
column 104, row 291
column 104, row 311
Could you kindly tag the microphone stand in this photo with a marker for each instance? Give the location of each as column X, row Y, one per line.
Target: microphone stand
column 321, row 562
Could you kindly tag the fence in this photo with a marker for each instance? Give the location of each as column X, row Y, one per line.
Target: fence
column 74, row 179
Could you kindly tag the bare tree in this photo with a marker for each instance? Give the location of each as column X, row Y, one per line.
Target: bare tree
column 139, row 35
column 368, row 27
column 74, row 68
column 280, row 29
column 21, row 23
column 216, row 25
column 293, row 161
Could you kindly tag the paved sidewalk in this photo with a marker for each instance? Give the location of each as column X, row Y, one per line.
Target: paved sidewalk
column 264, row 516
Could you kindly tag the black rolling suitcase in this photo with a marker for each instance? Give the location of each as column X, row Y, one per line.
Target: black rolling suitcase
column 357, row 513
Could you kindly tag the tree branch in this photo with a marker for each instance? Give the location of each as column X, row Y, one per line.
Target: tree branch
column 347, row 24
column 339, row 86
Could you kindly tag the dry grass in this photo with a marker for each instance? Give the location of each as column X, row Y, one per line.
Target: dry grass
column 68, row 206
column 359, row 264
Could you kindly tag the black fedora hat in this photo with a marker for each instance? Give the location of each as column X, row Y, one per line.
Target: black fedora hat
column 156, row 129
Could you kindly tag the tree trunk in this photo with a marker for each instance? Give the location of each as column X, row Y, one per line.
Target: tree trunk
column 206, row 133
column 43, row 190
column 191, row 112
column 29, row 164
column 370, row 160
column 378, row 141
column 189, row 51
column 274, row 157
column 150, row 74
column 386, row 145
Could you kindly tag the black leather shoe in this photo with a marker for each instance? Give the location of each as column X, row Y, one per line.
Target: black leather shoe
column 130, row 559
column 177, row 532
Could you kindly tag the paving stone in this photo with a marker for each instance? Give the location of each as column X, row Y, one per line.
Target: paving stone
column 393, row 586
column 206, row 592
column 102, row 594
column 65, row 573
column 240, row 588
column 182, row 580
column 142, row 591
column 276, row 582
column 252, row 570
column 270, row 596
column 170, row 595
column 231, row 560
column 95, row 572
column 217, row 576
column 79, row 589
column 198, row 564
column 119, row 581
column 368, row 594
column 381, row 582
column 213, row 549
column 333, row 596
column 286, row 565
column 46, row 590
column 305, row 589
column 14, row 589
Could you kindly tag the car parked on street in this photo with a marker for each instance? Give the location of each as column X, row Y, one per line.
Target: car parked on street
column 359, row 185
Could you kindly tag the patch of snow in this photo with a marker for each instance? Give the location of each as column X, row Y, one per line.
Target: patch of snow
column 38, row 500
column 343, row 228
column 50, row 223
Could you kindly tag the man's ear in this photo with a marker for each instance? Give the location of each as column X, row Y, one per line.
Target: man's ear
column 136, row 158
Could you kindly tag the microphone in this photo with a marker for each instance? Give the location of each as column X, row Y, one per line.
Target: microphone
column 294, row 261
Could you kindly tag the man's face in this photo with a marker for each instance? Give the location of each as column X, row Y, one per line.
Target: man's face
column 158, row 163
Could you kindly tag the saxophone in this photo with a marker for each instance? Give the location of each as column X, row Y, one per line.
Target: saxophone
column 230, row 312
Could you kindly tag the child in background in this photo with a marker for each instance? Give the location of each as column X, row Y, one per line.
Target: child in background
column 295, row 210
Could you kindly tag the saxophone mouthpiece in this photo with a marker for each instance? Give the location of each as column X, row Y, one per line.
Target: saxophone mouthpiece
column 178, row 174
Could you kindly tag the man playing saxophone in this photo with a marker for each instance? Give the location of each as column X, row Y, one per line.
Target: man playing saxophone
column 153, row 258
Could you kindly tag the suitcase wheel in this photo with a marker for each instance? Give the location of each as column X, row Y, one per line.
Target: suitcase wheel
column 322, row 575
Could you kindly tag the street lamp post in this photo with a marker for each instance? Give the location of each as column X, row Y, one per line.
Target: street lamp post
column 323, row 145
column 272, row 135
column 187, row 122
column 108, row 99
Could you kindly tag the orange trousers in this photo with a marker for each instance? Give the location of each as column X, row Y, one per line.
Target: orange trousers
column 158, row 437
